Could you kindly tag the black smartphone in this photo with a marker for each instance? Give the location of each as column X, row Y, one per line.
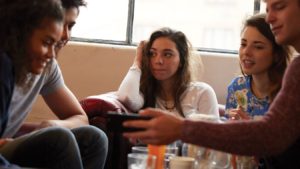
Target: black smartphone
column 115, row 121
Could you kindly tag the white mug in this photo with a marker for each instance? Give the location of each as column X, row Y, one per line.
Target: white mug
column 182, row 163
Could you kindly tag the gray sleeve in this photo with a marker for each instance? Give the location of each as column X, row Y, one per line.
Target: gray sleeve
column 54, row 79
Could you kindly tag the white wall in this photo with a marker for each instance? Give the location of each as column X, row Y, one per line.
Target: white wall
column 91, row 69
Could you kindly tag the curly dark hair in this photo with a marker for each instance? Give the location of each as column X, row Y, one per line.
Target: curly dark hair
column 19, row 18
column 150, row 87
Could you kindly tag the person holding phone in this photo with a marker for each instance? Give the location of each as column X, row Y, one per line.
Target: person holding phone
column 276, row 136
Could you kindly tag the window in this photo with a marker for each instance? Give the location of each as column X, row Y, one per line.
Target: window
column 212, row 25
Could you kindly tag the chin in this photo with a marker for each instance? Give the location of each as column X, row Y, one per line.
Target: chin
column 280, row 40
column 37, row 71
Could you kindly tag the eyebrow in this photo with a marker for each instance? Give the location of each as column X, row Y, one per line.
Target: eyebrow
column 278, row 2
column 168, row 50
column 255, row 42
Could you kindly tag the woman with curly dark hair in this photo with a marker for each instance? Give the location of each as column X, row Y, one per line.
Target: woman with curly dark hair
column 29, row 33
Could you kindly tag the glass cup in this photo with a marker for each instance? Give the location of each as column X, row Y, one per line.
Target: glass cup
column 141, row 161
column 197, row 152
column 219, row 160
column 139, row 149
column 171, row 151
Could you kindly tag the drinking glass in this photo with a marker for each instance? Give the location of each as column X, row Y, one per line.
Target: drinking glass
column 219, row 160
column 171, row 151
column 141, row 161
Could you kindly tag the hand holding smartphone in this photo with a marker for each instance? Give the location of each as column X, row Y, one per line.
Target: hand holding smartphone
column 115, row 121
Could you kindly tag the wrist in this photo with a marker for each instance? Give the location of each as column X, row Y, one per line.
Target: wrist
column 135, row 67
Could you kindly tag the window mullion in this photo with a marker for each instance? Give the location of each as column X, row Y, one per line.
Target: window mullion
column 130, row 21
column 256, row 6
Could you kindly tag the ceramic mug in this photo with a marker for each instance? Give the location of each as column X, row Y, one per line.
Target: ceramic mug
column 182, row 163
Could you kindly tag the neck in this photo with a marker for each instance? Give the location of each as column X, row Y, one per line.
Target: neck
column 166, row 90
column 260, row 85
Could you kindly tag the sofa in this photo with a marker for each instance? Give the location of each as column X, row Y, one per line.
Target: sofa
column 96, row 108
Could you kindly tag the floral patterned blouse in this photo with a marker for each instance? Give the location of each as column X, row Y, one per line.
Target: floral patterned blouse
column 240, row 95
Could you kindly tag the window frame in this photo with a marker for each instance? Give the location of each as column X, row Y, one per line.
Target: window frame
column 129, row 32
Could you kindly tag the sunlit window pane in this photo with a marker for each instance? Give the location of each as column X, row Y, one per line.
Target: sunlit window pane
column 102, row 19
column 207, row 23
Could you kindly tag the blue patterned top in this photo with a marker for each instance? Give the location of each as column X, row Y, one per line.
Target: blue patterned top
column 240, row 94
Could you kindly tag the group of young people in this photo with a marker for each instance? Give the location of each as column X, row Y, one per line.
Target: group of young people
column 267, row 93
column 160, row 76
column 263, row 99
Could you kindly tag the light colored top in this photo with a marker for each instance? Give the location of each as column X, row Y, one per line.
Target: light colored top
column 199, row 97
column 22, row 102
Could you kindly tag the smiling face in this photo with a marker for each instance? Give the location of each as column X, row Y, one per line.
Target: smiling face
column 284, row 19
column 256, row 52
column 71, row 15
column 42, row 44
column 164, row 59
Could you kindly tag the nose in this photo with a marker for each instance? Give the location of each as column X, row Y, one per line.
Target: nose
column 66, row 33
column 159, row 59
column 270, row 17
column 245, row 51
column 51, row 52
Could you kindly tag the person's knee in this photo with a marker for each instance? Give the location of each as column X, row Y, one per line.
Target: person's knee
column 57, row 135
column 57, row 132
column 91, row 135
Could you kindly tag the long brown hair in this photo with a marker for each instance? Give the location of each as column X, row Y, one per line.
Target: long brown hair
column 281, row 54
column 149, row 86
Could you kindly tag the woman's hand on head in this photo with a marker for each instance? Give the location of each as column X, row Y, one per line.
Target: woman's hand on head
column 139, row 54
column 163, row 128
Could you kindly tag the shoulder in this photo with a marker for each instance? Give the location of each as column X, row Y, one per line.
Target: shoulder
column 240, row 82
column 292, row 74
column 53, row 69
column 199, row 87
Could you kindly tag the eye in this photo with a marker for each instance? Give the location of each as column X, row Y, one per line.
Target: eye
column 168, row 54
column 259, row 47
column 152, row 53
column 70, row 26
column 47, row 42
column 279, row 6
column 243, row 45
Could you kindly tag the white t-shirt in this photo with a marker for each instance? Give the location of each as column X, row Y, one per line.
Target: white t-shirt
column 199, row 97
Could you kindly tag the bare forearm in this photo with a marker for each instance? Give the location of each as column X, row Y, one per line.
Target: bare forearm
column 71, row 122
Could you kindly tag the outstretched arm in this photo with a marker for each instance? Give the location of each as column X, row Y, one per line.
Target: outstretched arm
column 66, row 107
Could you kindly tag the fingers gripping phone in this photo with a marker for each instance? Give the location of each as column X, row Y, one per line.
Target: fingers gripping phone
column 115, row 121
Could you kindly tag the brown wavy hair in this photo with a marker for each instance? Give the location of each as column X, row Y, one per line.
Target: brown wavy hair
column 149, row 86
column 19, row 19
column 281, row 53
